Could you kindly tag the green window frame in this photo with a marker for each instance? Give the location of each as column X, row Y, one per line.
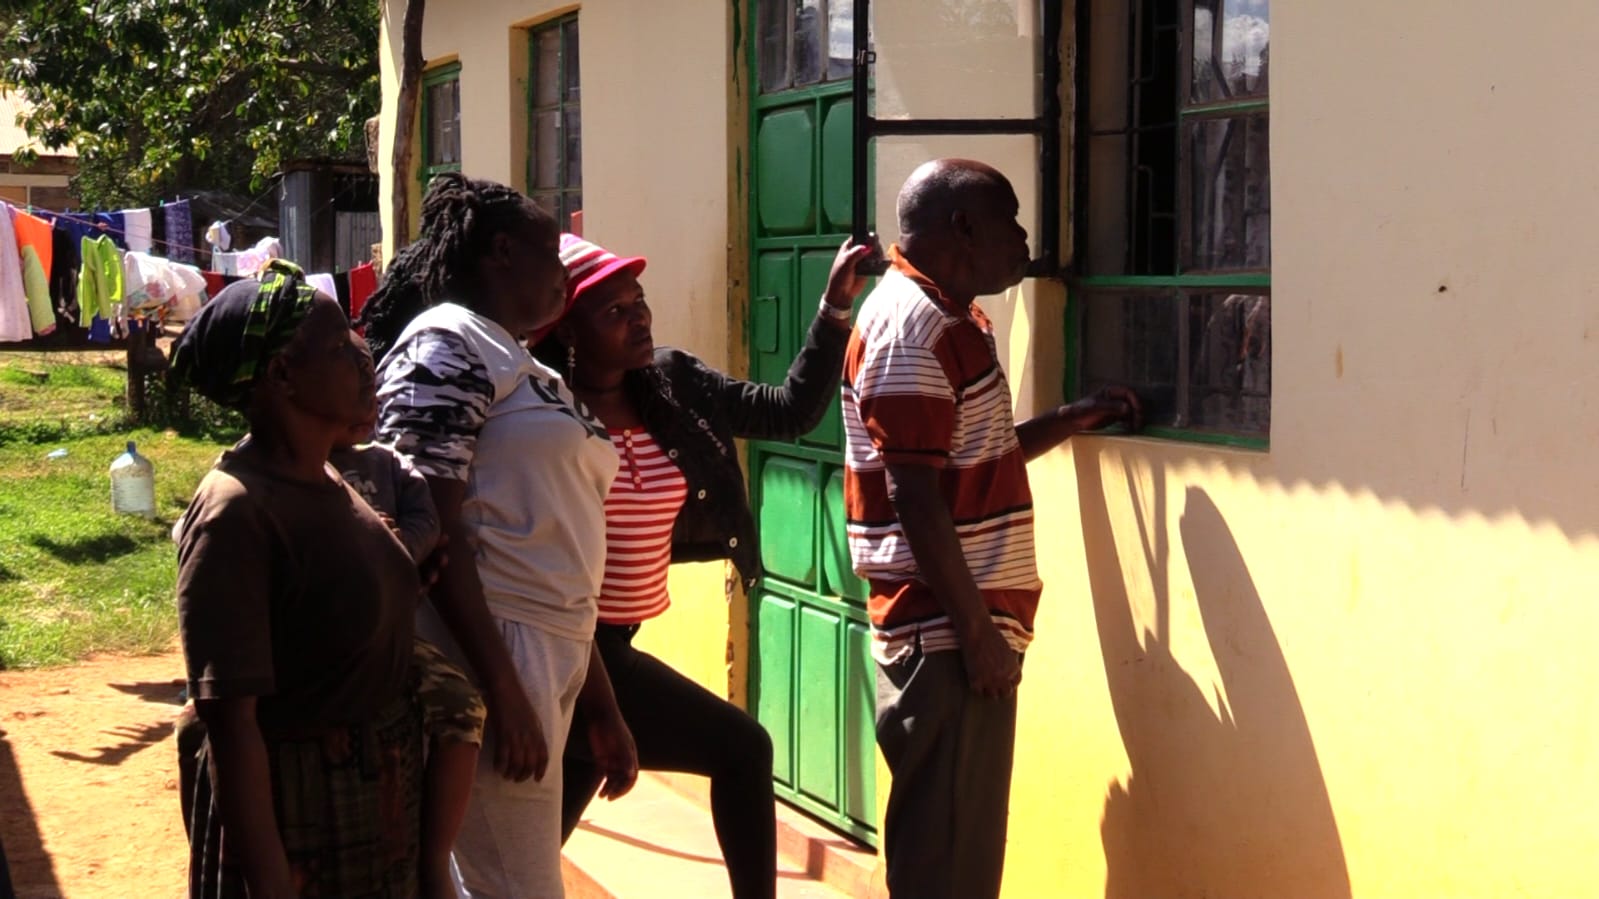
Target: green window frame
column 1171, row 281
column 803, row 43
column 554, row 120
column 441, row 121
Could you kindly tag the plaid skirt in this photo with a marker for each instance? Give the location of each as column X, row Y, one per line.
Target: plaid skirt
column 348, row 804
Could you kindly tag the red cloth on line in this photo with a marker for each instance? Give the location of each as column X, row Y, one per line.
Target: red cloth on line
column 214, row 283
column 363, row 283
column 33, row 231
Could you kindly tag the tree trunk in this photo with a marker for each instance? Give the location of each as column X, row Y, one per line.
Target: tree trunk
column 405, row 120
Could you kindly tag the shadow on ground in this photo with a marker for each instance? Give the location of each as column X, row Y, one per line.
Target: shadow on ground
column 24, row 864
column 97, row 549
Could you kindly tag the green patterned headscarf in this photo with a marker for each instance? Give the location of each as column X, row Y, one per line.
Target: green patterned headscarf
column 229, row 343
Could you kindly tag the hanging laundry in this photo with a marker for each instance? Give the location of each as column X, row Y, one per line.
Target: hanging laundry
column 158, row 231
column 215, row 281
column 15, row 322
column 179, row 232
column 363, row 283
column 79, row 224
column 65, row 260
column 34, row 241
column 341, row 282
column 323, row 282
column 115, row 227
column 216, row 234
column 253, row 260
column 35, row 232
column 41, row 315
column 136, row 232
column 99, row 286
column 156, row 287
column 225, row 263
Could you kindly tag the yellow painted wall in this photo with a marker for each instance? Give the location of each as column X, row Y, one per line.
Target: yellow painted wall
column 1355, row 665
column 655, row 176
column 1358, row 664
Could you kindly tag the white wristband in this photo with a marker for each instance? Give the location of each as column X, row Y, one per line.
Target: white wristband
column 833, row 312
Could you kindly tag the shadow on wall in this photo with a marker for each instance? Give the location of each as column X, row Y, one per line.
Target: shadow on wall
column 1217, row 805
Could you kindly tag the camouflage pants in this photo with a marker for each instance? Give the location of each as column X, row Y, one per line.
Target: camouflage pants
column 452, row 708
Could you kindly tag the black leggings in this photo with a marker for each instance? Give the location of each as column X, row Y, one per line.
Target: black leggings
column 679, row 725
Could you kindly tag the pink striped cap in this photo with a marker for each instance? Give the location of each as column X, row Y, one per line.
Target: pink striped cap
column 587, row 264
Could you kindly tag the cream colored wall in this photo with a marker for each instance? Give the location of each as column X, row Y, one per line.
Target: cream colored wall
column 1358, row 664
column 655, row 158
column 655, row 183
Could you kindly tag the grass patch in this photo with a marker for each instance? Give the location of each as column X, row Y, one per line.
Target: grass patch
column 41, row 400
column 75, row 578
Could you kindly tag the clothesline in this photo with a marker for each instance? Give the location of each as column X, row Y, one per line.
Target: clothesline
column 89, row 219
column 143, row 281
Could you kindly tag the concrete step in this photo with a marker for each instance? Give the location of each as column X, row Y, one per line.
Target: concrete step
column 658, row 842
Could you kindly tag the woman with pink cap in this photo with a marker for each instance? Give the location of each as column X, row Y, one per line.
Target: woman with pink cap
column 679, row 496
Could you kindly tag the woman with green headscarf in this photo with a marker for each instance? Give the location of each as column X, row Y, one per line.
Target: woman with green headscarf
column 295, row 606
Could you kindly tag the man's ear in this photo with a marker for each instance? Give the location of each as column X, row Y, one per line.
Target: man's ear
column 960, row 224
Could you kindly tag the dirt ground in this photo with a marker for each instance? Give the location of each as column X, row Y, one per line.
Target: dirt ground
column 88, row 779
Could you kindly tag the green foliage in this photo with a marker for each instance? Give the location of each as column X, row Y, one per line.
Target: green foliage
column 161, row 94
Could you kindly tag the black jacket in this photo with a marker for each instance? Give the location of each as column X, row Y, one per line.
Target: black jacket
column 694, row 412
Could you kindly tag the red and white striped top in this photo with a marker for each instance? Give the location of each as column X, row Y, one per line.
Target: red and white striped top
column 639, row 513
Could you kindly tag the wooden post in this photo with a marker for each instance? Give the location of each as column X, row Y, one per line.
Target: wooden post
column 137, row 341
column 405, row 121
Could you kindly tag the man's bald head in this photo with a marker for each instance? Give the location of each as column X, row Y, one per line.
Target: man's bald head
column 938, row 189
column 957, row 224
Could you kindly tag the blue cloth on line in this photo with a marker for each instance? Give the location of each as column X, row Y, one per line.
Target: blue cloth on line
column 179, row 232
column 114, row 228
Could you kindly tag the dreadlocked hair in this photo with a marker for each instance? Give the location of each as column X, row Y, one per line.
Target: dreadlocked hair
column 460, row 217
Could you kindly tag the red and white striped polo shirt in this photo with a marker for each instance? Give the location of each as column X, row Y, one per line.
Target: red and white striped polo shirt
column 923, row 385
column 640, row 510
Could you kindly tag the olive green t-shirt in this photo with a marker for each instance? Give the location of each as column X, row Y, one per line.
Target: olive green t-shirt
column 293, row 593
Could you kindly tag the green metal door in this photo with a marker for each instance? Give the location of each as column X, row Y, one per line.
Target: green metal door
column 812, row 680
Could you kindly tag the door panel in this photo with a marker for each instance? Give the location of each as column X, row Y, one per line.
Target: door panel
column 837, row 164
column 771, row 316
column 860, row 723
column 775, row 625
column 812, row 678
column 819, row 639
column 813, row 269
column 785, row 168
column 788, row 510
column 838, row 576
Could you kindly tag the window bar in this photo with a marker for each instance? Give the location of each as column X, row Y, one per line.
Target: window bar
column 788, row 44
column 1046, row 127
column 1135, row 135
column 1185, row 363
column 1184, row 89
column 560, row 124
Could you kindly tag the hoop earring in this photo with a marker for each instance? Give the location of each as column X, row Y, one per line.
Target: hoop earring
column 571, row 366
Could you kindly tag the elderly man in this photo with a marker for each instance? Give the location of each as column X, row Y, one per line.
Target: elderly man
column 941, row 523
